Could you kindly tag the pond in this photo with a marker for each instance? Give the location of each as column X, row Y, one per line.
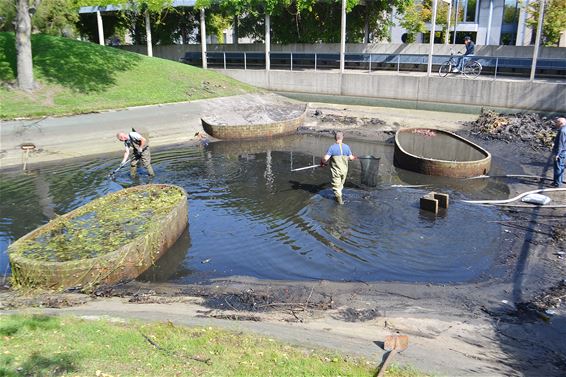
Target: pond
column 250, row 215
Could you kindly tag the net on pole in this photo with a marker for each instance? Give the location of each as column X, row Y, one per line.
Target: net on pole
column 370, row 170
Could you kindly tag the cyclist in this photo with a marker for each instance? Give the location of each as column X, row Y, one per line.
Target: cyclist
column 470, row 49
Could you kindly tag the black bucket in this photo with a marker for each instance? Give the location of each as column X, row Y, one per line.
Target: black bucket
column 370, row 170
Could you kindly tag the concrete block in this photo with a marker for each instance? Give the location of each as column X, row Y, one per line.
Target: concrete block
column 428, row 203
column 443, row 199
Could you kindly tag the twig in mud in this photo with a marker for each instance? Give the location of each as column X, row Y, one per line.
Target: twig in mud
column 308, row 298
column 298, row 305
column 294, row 315
column 169, row 353
column 230, row 305
column 525, row 228
column 154, row 344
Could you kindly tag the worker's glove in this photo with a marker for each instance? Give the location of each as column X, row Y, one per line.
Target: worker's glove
column 322, row 163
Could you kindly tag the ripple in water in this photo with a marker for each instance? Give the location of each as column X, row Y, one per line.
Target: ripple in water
column 250, row 215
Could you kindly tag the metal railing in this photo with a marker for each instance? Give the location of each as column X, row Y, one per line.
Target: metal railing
column 372, row 62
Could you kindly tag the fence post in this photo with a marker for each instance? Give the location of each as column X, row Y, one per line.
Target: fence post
column 224, row 53
column 398, row 63
column 496, row 64
column 369, row 63
column 291, row 61
column 315, row 61
column 245, row 61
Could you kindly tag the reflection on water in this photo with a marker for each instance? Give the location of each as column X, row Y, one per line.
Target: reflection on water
column 250, row 215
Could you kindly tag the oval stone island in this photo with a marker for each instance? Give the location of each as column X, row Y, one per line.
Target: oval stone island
column 113, row 238
column 441, row 153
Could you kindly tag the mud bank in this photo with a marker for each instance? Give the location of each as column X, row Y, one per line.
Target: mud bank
column 512, row 324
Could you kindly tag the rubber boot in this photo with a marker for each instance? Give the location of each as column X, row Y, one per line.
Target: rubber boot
column 150, row 171
column 339, row 199
column 133, row 171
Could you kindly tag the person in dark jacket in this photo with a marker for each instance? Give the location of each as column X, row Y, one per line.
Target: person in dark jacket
column 559, row 152
column 470, row 51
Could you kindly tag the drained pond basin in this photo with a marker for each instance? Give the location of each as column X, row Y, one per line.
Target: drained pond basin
column 250, row 215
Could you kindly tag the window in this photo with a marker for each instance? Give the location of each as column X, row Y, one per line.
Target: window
column 470, row 10
column 509, row 22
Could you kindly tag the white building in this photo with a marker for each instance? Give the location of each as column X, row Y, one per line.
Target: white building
column 488, row 22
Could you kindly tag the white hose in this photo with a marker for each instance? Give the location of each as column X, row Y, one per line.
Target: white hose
column 528, row 206
column 513, row 199
column 509, row 176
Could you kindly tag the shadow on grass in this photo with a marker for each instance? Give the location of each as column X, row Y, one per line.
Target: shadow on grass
column 82, row 66
column 11, row 325
column 38, row 365
column 7, row 57
column 35, row 364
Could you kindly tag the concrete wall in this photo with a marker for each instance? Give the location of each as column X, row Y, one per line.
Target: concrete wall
column 174, row 52
column 418, row 90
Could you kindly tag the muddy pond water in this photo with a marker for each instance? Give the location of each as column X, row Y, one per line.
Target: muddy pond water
column 250, row 215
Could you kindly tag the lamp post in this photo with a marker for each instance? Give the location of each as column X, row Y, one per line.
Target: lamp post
column 537, row 41
column 432, row 32
column 447, row 36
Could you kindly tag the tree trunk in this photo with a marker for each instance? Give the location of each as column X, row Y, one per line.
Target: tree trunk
column 23, row 46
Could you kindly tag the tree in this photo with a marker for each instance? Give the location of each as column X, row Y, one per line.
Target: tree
column 308, row 21
column 24, row 64
column 56, row 17
column 554, row 20
column 412, row 21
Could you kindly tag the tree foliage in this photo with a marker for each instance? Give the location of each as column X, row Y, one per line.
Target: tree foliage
column 307, row 21
column 412, row 21
column 554, row 20
column 417, row 14
column 54, row 17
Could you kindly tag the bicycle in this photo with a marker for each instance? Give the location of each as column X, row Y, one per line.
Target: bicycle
column 471, row 68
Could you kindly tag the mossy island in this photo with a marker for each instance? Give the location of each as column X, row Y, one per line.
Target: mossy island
column 113, row 238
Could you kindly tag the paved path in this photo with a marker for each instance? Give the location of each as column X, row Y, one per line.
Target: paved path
column 82, row 135
column 90, row 134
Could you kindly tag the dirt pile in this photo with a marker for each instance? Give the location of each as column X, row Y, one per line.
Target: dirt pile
column 531, row 128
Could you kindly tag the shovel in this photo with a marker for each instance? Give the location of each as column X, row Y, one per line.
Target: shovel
column 393, row 344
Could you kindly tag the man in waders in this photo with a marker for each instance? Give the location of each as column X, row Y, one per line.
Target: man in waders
column 338, row 154
column 137, row 145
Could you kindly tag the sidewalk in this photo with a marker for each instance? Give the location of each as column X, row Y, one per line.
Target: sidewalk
column 90, row 134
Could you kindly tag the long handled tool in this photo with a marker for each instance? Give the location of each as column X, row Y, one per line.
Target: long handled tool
column 307, row 167
column 393, row 344
column 112, row 175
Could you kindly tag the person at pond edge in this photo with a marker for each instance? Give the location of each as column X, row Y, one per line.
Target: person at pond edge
column 339, row 154
column 470, row 50
column 559, row 152
column 136, row 145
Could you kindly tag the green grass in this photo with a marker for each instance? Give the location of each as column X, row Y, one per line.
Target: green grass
column 68, row 346
column 78, row 77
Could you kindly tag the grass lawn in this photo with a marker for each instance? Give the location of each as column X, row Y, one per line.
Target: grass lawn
column 69, row 346
column 78, row 77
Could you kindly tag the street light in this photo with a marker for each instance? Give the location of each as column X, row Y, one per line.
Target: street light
column 447, row 36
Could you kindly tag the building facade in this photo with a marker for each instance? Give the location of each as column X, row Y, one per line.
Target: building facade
column 488, row 22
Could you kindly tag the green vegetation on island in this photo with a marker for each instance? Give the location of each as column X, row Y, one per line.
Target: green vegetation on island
column 101, row 226
column 68, row 346
column 80, row 77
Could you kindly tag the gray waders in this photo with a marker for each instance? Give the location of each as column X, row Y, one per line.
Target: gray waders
column 339, row 170
column 145, row 159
